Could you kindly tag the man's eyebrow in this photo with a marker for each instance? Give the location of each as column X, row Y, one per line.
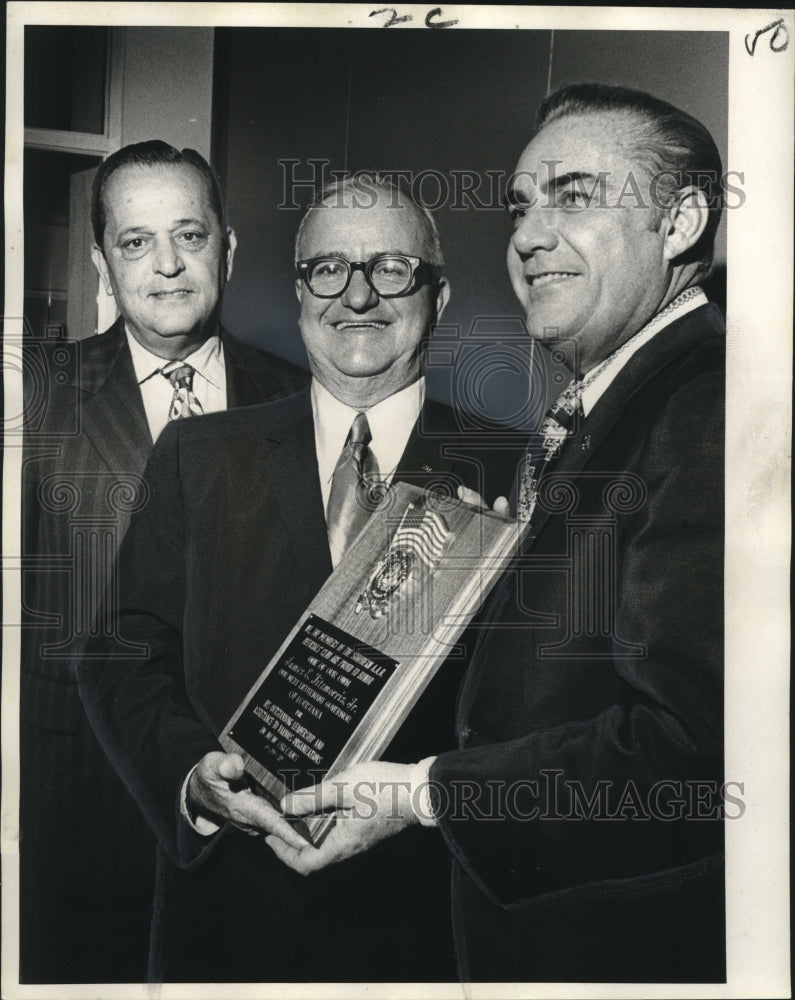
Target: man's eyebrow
column 346, row 256
column 137, row 230
column 145, row 230
column 187, row 222
column 551, row 184
column 557, row 181
column 513, row 197
column 326, row 253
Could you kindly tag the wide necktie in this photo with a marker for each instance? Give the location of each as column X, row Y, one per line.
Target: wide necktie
column 356, row 488
column 183, row 403
column 559, row 424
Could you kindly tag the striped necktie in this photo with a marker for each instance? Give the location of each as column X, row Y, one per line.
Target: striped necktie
column 183, row 403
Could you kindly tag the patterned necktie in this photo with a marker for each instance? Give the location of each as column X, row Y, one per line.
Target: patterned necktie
column 561, row 418
column 559, row 424
column 183, row 402
column 356, row 488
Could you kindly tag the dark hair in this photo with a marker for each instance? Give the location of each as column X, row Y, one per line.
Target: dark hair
column 152, row 153
column 677, row 149
column 365, row 182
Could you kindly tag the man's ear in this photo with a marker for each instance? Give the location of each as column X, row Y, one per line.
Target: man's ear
column 442, row 297
column 231, row 240
column 299, row 288
column 98, row 257
column 686, row 221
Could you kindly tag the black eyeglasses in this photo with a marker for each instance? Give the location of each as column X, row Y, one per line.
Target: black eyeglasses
column 388, row 274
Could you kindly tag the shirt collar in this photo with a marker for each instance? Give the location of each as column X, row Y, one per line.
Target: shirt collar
column 333, row 420
column 400, row 410
column 207, row 360
column 690, row 299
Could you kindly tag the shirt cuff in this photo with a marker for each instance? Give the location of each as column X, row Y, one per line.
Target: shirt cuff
column 200, row 824
column 420, row 791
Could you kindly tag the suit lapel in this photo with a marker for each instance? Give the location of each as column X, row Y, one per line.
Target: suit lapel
column 298, row 502
column 664, row 348
column 297, row 499
column 241, row 380
column 422, row 461
column 250, row 375
column 112, row 411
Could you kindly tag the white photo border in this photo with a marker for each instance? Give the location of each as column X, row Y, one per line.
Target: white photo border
column 759, row 340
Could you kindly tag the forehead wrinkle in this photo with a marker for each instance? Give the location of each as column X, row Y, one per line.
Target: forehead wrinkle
column 192, row 220
column 628, row 133
column 345, row 255
column 424, row 237
column 165, row 170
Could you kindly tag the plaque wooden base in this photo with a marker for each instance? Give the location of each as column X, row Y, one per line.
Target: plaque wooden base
column 351, row 670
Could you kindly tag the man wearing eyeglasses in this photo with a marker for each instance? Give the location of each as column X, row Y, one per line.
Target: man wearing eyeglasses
column 364, row 336
column 248, row 514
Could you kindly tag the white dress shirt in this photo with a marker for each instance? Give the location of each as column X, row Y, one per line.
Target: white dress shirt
column 209, row 380
column 597, row 388
column 391, row 423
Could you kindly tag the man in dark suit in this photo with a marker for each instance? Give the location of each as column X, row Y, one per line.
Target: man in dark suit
column 583, row 805
column 164, row 252
column 223, row 562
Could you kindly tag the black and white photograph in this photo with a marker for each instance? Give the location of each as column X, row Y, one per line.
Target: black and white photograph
column 396, row 501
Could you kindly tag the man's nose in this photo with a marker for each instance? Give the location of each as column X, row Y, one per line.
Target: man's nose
column 167, row 259
column 534, row 231
column 359, row 295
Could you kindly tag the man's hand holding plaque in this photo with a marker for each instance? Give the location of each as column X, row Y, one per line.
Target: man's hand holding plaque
column 352, row 668
column 218, row 793
column 370, row 801
column 501, row 505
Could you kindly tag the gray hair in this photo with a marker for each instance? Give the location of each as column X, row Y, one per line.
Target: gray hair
column 366, row 183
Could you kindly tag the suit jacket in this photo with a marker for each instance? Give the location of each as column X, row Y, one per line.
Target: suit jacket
column 213, row 574
column 87, row 860
column 593, row 705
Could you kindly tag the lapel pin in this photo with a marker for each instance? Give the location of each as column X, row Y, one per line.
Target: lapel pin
column 586, row 442
column 426, row 468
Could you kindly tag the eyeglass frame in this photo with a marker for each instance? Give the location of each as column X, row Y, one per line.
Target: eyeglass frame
column 418, row 266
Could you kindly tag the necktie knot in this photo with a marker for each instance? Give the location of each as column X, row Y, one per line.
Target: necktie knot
column 183, row 403
column 179, row 374
column 568, row 406
column 359, row 437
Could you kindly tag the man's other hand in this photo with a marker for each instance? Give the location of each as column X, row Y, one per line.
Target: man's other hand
column 474, row 499
column 217, row 789
column 372, row 801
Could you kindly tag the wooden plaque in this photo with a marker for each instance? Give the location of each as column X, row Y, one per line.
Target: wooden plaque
column 348, row 674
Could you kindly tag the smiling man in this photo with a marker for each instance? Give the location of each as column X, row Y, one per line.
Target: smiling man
column 583, row 806
column 363, row 336
column 220, row 566
column 164, row 252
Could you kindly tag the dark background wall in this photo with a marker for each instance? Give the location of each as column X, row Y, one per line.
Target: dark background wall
column 419, row 101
